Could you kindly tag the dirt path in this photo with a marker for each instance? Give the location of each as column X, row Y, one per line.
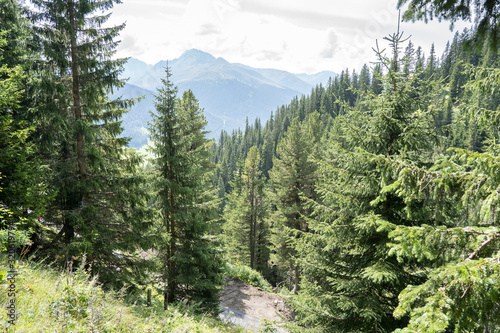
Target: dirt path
column 252, row 304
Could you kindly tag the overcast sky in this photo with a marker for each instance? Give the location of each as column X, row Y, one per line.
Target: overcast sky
column 300, row 36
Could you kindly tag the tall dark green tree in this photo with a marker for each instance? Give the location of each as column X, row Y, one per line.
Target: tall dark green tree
column 245, row 226
column 292, row 184
column 190, row 264
column 100, row 201
column 21, row 185
column 20, row 169
column 351, row 283
column 364, row 78
column 432, row 63
column 457, row 241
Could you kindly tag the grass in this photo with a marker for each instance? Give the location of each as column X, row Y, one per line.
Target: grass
column 52, row 301
column 248, row 275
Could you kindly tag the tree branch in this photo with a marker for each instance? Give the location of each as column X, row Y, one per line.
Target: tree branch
column 485, row 243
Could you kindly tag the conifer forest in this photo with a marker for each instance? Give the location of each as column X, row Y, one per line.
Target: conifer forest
column 373, row 202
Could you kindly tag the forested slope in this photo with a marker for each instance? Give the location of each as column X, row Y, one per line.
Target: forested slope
column 373, row 201
column 379, row 193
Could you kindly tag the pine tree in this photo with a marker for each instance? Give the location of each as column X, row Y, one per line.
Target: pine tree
column 457, row 243
column 100, row 201
column 190, row 264
column 245, row 225
column 292, row 184
column 351, row 283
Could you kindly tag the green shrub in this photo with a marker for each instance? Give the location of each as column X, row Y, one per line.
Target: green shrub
column 247, row 275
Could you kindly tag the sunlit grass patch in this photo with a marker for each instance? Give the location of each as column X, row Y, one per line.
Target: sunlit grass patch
column 72, row 301
column 248, row 275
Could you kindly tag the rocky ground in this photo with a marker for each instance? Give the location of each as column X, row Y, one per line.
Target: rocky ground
column 248, row 306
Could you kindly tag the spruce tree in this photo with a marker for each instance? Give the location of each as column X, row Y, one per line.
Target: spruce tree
column 235, row 224
column 457, row 245
column 351, row 283
column 245, row 225
column 190, row 265
column 364, row 79
column 432, row 63
column 21, row 185
column 292, row 184
column 21, row 180
column 100, row 202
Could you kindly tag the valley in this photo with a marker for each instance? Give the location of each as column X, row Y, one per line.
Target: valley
column 228, row 93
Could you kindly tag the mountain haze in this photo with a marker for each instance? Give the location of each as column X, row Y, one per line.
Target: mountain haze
column 229, row 93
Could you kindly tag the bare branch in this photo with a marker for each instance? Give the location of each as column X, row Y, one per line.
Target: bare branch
column 485, row 243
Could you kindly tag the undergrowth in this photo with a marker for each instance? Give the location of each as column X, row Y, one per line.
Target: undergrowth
column 248, row 275
column 71, row 301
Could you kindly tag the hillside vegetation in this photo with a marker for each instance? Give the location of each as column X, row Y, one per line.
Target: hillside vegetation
column 372, row 202
column 71, row 301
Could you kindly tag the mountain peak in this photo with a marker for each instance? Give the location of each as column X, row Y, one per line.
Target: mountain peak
column 197, row 56
column 227, row 92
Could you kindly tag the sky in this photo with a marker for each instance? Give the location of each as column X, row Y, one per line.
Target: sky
column 299, row 36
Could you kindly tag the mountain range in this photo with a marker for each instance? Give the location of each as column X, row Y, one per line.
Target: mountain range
column 228, row 92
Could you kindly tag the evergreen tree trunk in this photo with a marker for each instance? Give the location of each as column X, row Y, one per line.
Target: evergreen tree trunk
column 77, row 108
column 171, row 253
column 296, row 278
column 252, row 224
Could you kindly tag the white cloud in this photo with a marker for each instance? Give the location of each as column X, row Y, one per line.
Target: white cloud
column 295, row 35
column 332, row 44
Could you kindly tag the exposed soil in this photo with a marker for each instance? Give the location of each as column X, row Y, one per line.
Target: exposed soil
column 254, row 302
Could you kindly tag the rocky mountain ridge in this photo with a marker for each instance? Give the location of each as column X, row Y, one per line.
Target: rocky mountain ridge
column 228, row 93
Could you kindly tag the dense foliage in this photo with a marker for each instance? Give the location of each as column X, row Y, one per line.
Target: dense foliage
column 390, row 221
column 69, row 185
column 373, row 200
column 190, row 264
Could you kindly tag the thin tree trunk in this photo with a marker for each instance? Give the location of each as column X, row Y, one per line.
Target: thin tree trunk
column 165, row 296
column 171, row 282
column 296, row 279
column 166, row 217
column 77, row 108
column 252, row 227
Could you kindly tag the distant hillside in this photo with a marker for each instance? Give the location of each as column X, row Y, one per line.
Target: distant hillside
column 135, row 121
column 228, row 92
